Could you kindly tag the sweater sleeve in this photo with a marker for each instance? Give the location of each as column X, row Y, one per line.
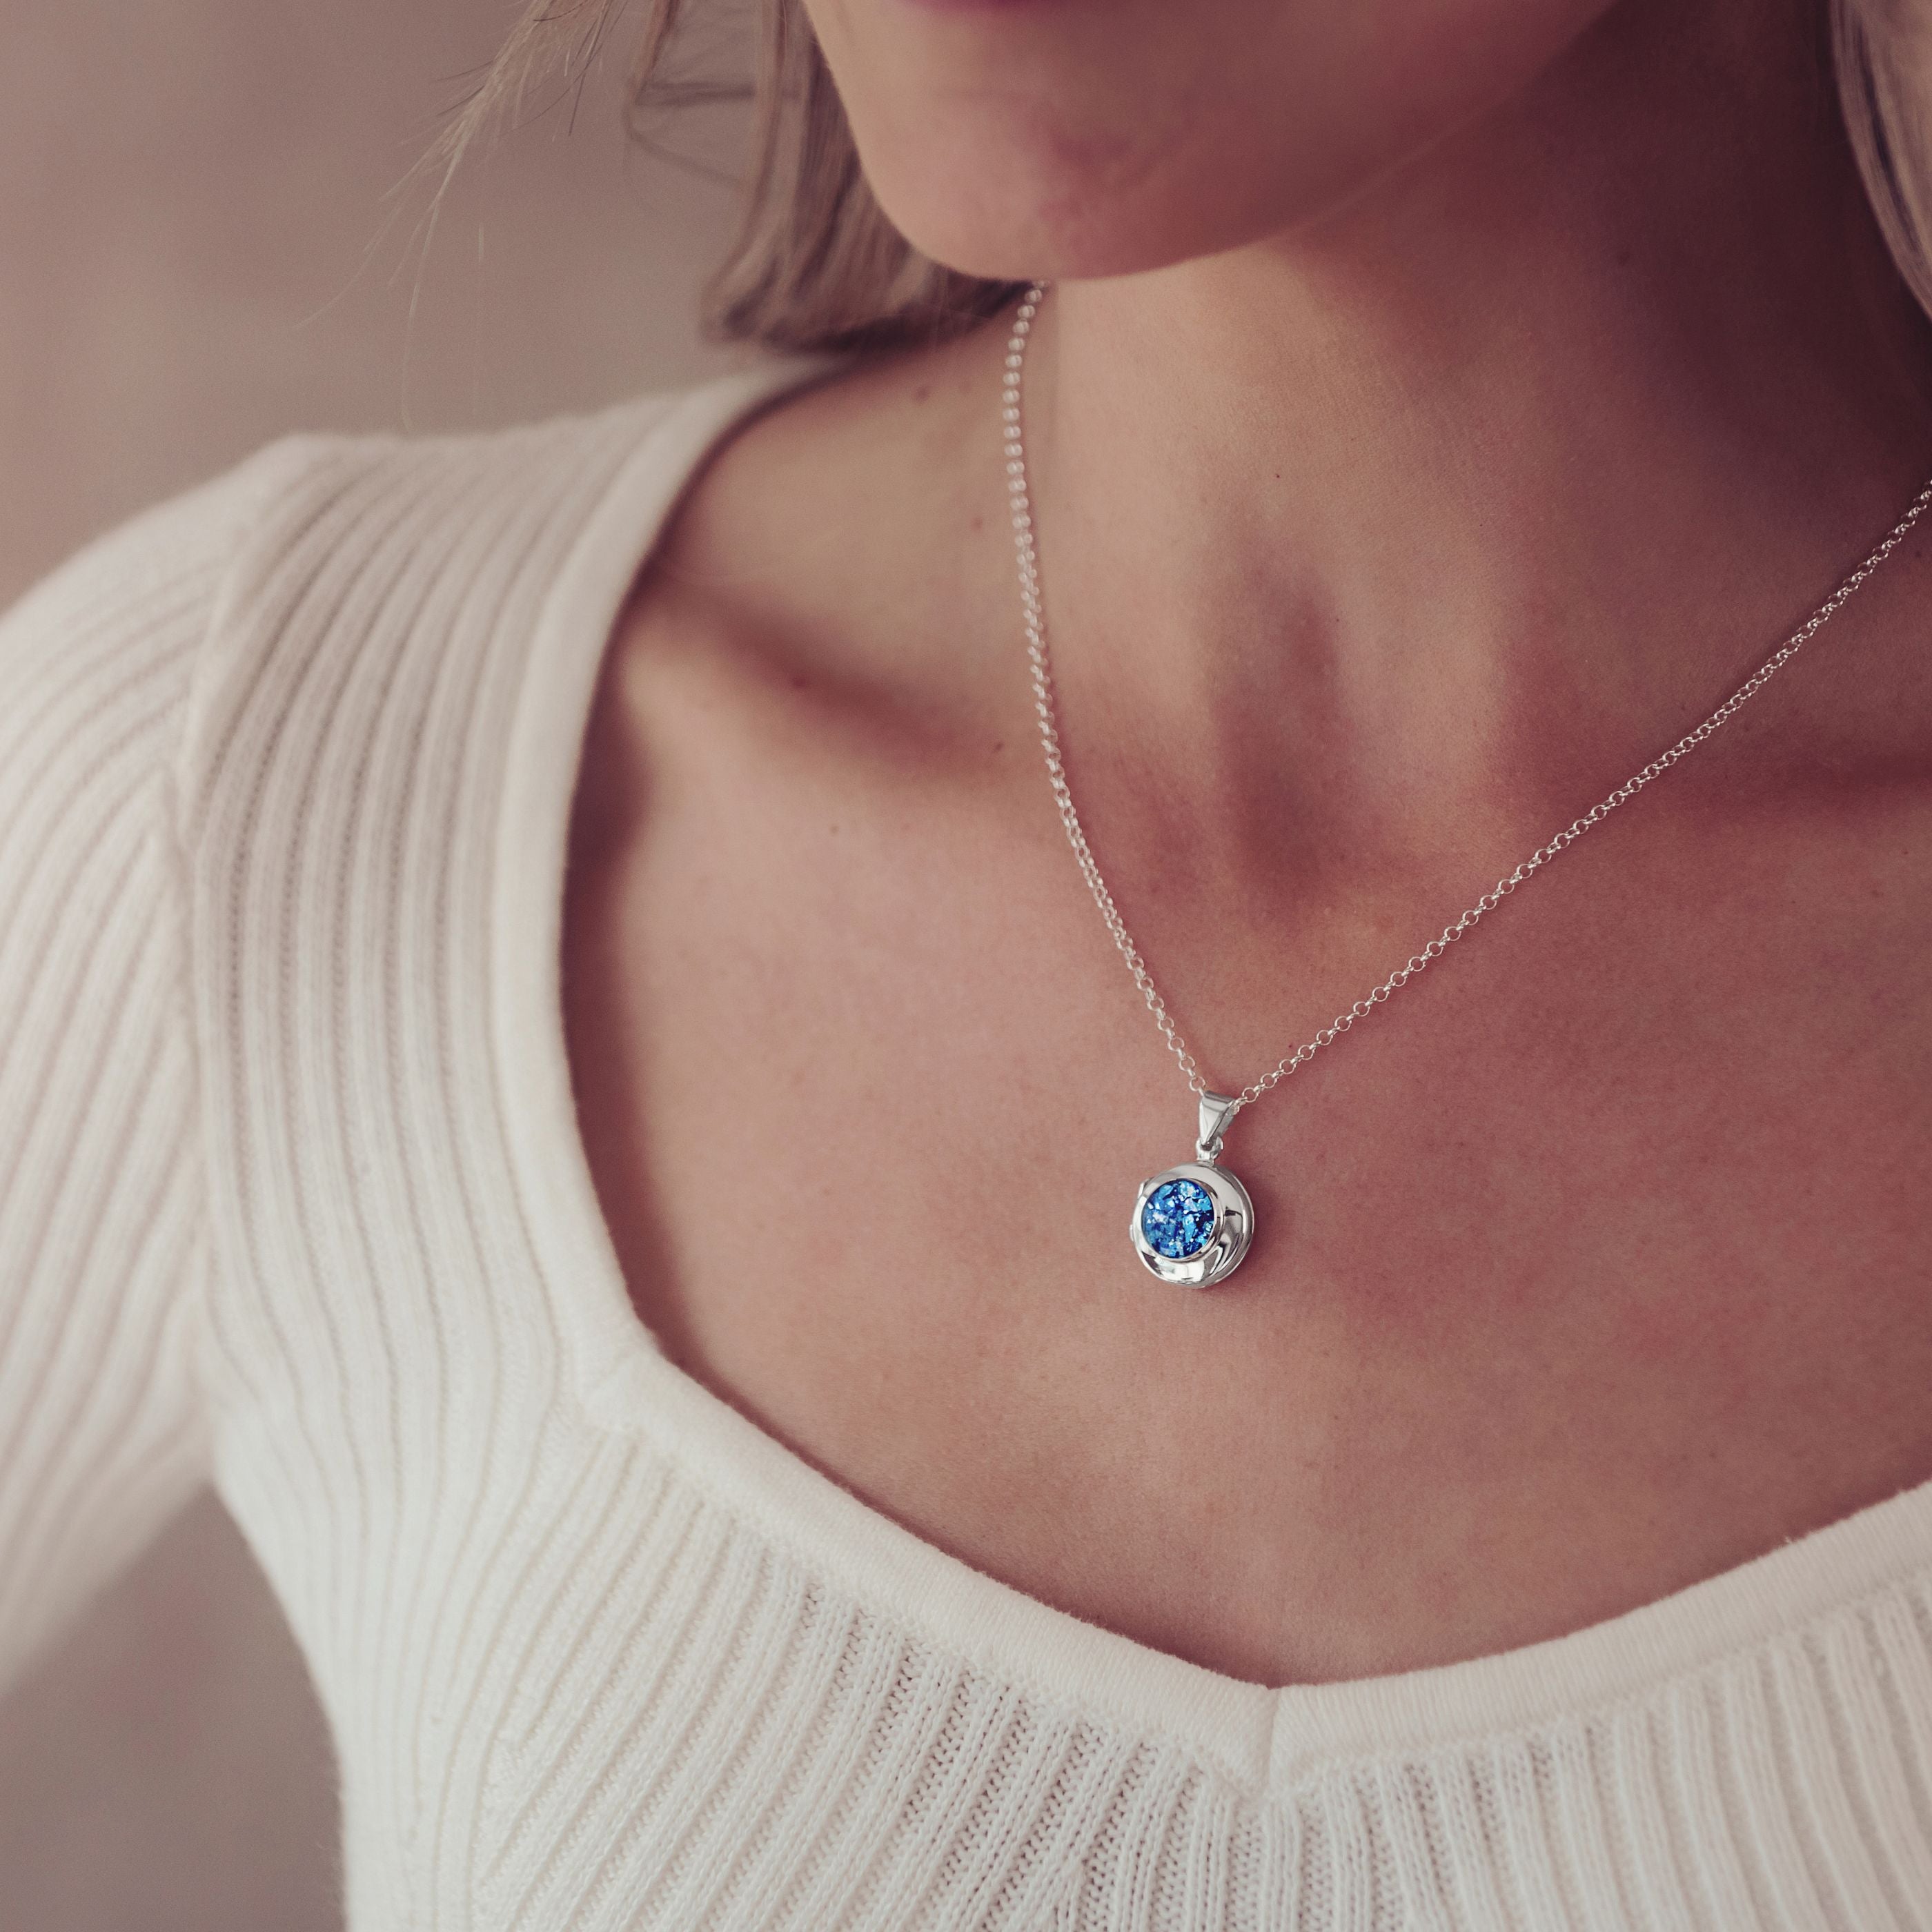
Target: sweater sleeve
column 103, row 1431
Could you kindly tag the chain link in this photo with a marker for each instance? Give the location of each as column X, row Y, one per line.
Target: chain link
column 1045, row 711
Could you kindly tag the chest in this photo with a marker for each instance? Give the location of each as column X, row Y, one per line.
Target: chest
column 1592, row 1264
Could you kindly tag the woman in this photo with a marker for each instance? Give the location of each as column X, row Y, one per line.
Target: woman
column 555, row 1045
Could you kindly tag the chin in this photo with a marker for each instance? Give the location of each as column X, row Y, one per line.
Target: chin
column 1083, row 139
column 1013, row 204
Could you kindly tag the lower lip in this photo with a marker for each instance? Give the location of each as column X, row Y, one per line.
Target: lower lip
column 980, row 6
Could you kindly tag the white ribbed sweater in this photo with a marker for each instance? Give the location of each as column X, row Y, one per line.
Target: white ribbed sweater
column 291, row 1196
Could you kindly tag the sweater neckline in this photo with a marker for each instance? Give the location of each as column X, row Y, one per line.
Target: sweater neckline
column 1261, row 1738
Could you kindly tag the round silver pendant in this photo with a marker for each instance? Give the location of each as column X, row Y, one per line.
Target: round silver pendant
column 1192, row 1223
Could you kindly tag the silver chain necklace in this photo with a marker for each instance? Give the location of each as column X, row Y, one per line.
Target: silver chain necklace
column 1193, row 1223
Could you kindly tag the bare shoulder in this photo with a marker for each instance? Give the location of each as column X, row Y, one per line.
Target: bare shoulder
column 837, row 527
column 826, row 614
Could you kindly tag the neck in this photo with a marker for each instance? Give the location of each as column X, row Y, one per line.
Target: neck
column 1542, row 439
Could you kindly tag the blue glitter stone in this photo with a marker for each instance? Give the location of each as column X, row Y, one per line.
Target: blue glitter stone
column 1177, row 1218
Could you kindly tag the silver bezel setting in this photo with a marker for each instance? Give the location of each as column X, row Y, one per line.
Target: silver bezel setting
column 1234, row 1227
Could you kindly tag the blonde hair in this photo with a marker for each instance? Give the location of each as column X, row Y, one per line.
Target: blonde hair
column 1879, row 50
column 815, row 264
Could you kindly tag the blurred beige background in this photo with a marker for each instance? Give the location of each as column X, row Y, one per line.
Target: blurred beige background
column 193, row 258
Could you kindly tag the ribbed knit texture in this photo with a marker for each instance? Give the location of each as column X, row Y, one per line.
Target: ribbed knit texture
column 291, row 1198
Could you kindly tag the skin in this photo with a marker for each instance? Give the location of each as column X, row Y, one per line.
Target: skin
column 1439, row 408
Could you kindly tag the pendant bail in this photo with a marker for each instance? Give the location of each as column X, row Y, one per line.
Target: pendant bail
column 1216, row 1111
